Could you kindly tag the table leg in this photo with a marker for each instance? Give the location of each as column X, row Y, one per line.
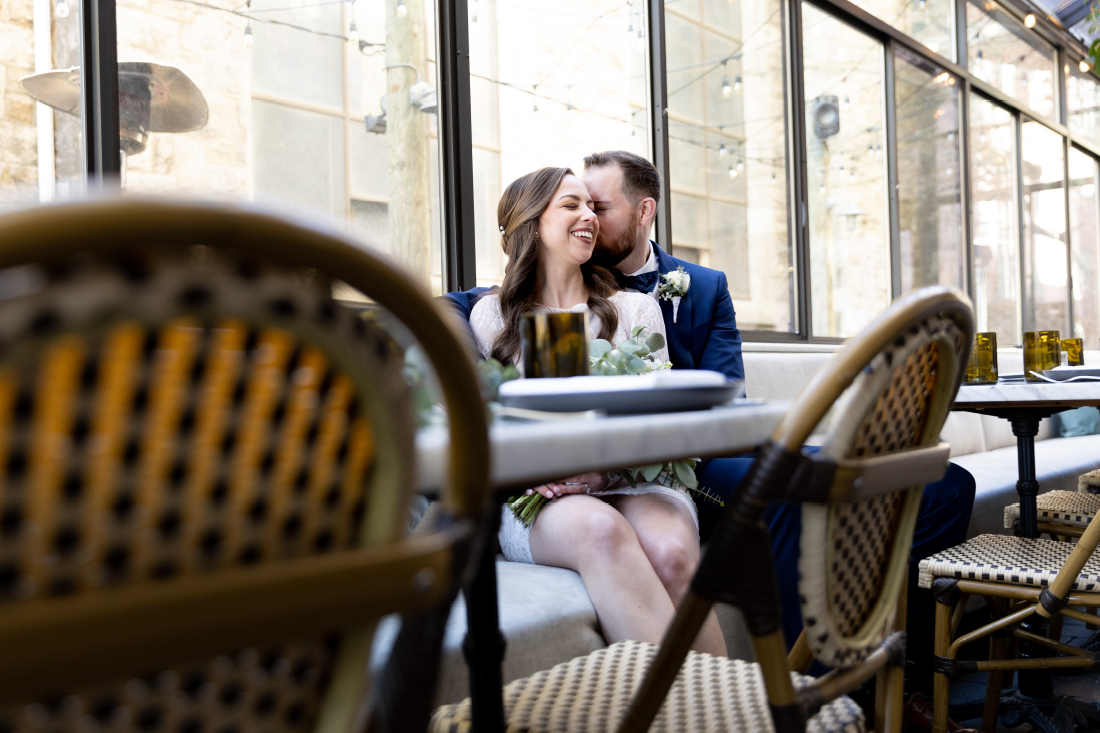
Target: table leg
column 1025, row 429
column 1033, row 683
column 484, row 643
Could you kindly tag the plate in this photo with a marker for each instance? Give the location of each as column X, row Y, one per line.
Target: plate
column 1068, row 372
column 668, row 391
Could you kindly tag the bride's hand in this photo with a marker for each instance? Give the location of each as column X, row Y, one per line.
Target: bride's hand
column 585, row 483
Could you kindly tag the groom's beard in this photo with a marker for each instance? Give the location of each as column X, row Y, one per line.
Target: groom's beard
column 611, row 252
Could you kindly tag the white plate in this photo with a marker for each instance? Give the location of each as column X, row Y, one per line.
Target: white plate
column 667, row 391
column 1067, row 372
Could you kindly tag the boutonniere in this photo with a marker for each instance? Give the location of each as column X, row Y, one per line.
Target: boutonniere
column 674, row 287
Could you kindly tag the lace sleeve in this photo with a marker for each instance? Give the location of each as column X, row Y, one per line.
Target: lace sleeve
column 486, row 323
column 638, row 309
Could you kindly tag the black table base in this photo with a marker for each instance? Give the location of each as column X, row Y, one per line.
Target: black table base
column 484, row 644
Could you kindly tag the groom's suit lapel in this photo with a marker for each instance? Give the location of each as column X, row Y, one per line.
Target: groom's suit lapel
column 681, row 329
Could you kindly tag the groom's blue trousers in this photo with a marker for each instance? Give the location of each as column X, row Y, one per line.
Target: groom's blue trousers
column 944, row 517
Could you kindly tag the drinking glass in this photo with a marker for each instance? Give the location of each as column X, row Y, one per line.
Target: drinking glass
column 982, row 368
column 1075, row 351
column 554, row 344
column 1042, row 350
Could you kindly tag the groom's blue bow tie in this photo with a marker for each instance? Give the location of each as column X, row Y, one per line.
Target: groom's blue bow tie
column 643, row 283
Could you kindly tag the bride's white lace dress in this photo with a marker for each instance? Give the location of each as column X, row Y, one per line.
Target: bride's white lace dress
column 634, row 309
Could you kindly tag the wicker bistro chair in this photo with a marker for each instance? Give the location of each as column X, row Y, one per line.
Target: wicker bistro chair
column 1026, row 581
column 1062, row 514
column 205, row 468
column 893, row 385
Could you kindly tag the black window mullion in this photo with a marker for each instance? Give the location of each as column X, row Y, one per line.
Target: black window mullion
column 658, row 122
column 456, row 146
column 1066, row 147
column 1027, row 304
column 796, row 163
column 99, row 94
column 892, row 168
column 965, row 199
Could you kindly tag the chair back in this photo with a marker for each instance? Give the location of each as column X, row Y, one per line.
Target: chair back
column 854, row 554
column 892, row 385
column 205, row 470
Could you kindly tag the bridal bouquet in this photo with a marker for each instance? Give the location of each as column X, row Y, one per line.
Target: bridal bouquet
column 637, row 355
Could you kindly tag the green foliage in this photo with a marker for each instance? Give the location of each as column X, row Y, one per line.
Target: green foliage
column 636, row 355
column 493, row 374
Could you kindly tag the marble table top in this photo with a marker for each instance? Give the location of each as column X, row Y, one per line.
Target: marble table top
column 529, row 453
column 1007, row 393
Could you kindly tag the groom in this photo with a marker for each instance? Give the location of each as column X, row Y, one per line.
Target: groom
column 625, row 189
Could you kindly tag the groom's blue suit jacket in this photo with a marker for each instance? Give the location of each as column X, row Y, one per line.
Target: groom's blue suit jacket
column 705, row 334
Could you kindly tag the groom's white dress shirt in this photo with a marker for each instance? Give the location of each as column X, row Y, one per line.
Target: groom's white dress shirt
column 649, row 266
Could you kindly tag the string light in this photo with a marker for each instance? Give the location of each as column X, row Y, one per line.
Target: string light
column 847, row 103
column 852, row 175
column 740, row 165
column 248, row 36
column 922, row 4
column 870, row 150
column 722, row 150
column 1029, row 20
column 402, row 11
column 61, row 10
column 978, row 57
column 773, row 177
column 732, row 172
column 737, row 83
column 353, row 34
column 1083, row 66
column 641, row 39
column 726, row 88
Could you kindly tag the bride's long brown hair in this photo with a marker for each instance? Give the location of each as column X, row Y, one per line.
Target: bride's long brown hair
column 518, row 216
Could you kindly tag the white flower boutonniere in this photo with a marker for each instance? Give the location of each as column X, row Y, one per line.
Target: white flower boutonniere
column 674, row 287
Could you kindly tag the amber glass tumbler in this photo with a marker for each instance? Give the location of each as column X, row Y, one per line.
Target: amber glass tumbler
column 1075, row 351
column 1042, row 350
column 982, row 368
column 554, row 344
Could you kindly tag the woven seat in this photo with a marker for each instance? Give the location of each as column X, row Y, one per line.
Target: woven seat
column 591, row 694
column 1069, row 508
column 1089, row 483
column 1012, row 560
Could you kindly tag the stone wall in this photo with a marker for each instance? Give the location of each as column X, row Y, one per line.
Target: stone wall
column 18, row 153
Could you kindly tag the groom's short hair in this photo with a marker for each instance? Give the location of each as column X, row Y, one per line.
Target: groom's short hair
column 640, row 179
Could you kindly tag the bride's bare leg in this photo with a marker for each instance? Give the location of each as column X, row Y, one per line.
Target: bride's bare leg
column 584, row 534
column 670, row 540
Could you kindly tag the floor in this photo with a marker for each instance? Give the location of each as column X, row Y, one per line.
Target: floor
column 1081, row 686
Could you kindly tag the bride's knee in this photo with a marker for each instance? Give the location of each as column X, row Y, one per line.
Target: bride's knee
column 605, row 531
column 675, row 560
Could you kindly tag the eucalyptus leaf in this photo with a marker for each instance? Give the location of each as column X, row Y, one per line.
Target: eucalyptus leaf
column 637, row 331
column 617, row 359
column 598, row 347
column 631, row 347
column 684, row 471
column 655, row 342
column 650, row 472
column 628, row 474
column 634, row 365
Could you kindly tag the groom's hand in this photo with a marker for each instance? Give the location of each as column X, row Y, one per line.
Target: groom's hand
column 585, row 483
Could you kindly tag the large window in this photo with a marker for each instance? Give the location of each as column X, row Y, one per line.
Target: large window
column 927, row 21
column 1001, row 52
column 318, row 108
column 1083, row 103
column 846, row 174
column 550, row 83
column 930, row 236
column 1044, row 201
column 995, row 220
column 1084, row 212
column 727, row 152
column 41, row 151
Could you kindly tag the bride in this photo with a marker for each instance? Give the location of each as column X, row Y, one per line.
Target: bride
column 635, row 548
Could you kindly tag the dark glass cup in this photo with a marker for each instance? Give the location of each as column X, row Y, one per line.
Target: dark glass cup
column 1042, row 351
column 1075, row 351
column 982, row 368
column 554, row 344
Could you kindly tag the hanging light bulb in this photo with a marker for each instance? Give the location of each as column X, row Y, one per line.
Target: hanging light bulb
column 248, row 36
column 732, row 172
column 978, row 57
column 1029, row 20
column 981, row 138
column 842, row 169
column 922, row 4
column 773, row 178
column 353, row 34
column 402, row 11
column 847, row 103
column 61, row 10
column 870, row 150
column 722, row 150
column 630, row 25
column 737, row 83
column 951, row 137
column 641, row 39
column 1083, row 66
column 740, row 165
column 726, row 88
column 822, row 188
column 852, row 174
